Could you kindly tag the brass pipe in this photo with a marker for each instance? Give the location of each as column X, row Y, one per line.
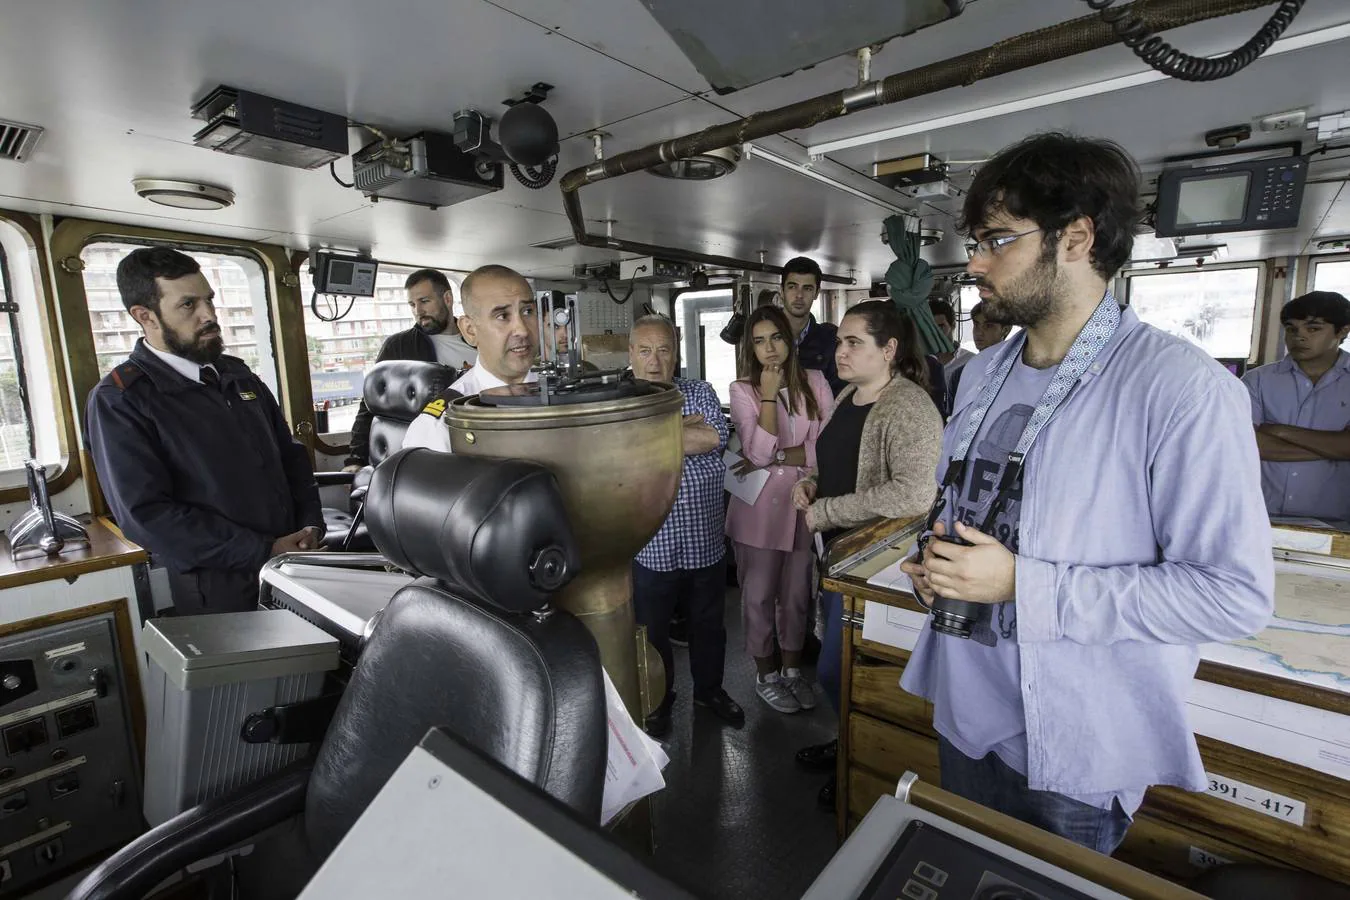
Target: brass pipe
column 1010, row 55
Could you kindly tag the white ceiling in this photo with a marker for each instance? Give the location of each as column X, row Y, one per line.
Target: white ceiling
column 113, row 81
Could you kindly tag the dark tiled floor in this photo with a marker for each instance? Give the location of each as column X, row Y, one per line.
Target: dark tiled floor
column 738, row 817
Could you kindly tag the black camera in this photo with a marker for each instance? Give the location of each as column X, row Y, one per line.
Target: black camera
column 954, row 617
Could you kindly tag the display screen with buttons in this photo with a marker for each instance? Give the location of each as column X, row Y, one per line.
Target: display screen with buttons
column 1252, row 195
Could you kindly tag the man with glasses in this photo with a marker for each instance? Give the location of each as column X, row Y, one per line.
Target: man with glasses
column 1102, row 480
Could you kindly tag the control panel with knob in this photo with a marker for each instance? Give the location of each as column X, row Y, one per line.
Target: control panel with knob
column 69, row 768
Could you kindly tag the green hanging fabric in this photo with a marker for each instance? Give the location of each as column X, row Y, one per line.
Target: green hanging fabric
column 910, row 280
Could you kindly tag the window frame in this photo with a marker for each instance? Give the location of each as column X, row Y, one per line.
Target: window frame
column 1311, row 283
column 691, row 334
column 264, row 282
column 68, row 470
column 1259, row 302
column 65, row 244
column 299, row 261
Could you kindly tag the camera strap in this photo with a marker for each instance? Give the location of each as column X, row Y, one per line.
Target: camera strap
column 1094, row 337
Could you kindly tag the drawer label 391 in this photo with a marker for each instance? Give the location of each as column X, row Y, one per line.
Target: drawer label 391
column 1277, row 806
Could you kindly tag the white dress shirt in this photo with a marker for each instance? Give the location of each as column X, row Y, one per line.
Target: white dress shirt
column 429, row 428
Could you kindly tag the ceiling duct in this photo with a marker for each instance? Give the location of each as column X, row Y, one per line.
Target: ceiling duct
column 1010, row 55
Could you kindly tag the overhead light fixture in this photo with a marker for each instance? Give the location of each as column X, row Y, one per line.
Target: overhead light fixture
column 1341, row 243
column 704, row 167
column 1283, row 45
column 753, row 151
column 183, row 194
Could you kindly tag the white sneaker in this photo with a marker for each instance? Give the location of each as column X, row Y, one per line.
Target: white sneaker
column 774, row 692
column 801, row 687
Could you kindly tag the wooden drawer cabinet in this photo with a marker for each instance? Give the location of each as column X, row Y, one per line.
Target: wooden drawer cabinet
column 1321, row 843
column 1179, row 853
column 885, row 732
column 890, row 751
column 876, row 692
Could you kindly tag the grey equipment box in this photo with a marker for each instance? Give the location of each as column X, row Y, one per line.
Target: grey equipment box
column 206, row 675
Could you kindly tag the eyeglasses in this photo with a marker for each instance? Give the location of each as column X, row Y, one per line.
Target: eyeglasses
column 992, row 246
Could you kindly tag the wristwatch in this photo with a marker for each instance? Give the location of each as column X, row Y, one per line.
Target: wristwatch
column 780, row 456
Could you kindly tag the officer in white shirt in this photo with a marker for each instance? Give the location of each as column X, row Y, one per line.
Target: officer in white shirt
column 500, row 319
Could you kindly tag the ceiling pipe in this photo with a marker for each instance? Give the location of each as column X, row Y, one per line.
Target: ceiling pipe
column 1009, row 55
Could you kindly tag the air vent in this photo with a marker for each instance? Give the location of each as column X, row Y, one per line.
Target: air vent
column 18, row 140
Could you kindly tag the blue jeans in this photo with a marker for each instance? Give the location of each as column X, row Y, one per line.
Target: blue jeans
column 992, row 783
column 829, row 663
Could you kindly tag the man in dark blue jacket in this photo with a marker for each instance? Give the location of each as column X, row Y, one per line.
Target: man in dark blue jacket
column 815, row 340
column 193, row 454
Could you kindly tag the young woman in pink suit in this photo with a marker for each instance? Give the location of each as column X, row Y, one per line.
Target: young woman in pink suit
column 779, row 410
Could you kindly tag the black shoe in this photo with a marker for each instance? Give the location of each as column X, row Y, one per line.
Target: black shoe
column 657, row 723
column 819, row 757
column 825, row 799
column 723, row 707
column 679, row 632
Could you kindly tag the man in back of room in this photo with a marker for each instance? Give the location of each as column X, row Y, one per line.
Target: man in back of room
column 434, row 337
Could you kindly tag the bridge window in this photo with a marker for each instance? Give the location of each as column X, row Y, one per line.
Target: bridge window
column 700, row 316
column 241, row 306
column 341, row 351
column 1214, row 308
column 1332, row 275
column 29, row 414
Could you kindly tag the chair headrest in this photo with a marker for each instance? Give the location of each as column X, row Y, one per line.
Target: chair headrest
column 493, row 529
column 400, row 388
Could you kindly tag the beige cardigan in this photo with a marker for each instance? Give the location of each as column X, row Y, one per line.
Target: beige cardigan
column 897, row 460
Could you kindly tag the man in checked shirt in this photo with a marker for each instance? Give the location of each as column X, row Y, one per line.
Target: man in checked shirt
column 687, row 558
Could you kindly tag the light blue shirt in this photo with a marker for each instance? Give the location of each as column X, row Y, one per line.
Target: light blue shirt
column 1282, row 395
column 1143, row 534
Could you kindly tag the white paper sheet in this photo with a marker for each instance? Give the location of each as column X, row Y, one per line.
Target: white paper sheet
column 1303, row 735
column 892, row 626
column 1301, row 541
column 746, row 487
column 635, row 760
column 893, row 579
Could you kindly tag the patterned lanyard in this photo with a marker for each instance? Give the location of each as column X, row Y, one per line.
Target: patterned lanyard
column 1096, row 334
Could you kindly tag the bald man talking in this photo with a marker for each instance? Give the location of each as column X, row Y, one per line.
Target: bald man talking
column 500, row 320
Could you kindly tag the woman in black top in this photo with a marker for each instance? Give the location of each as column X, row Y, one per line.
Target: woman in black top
column 876, row 458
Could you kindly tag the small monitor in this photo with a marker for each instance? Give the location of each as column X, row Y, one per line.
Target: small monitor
column 1237, row 366
column 1250, row 195
column 349, row 276
column 1221, row 200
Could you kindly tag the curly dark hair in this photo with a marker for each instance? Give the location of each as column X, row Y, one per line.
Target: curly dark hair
column 1053, row 179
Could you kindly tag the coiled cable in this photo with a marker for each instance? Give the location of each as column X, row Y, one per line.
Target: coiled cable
column 535, row 177
column 1165, row 58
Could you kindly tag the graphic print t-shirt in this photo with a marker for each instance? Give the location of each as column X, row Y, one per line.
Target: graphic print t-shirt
column 978, row 700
